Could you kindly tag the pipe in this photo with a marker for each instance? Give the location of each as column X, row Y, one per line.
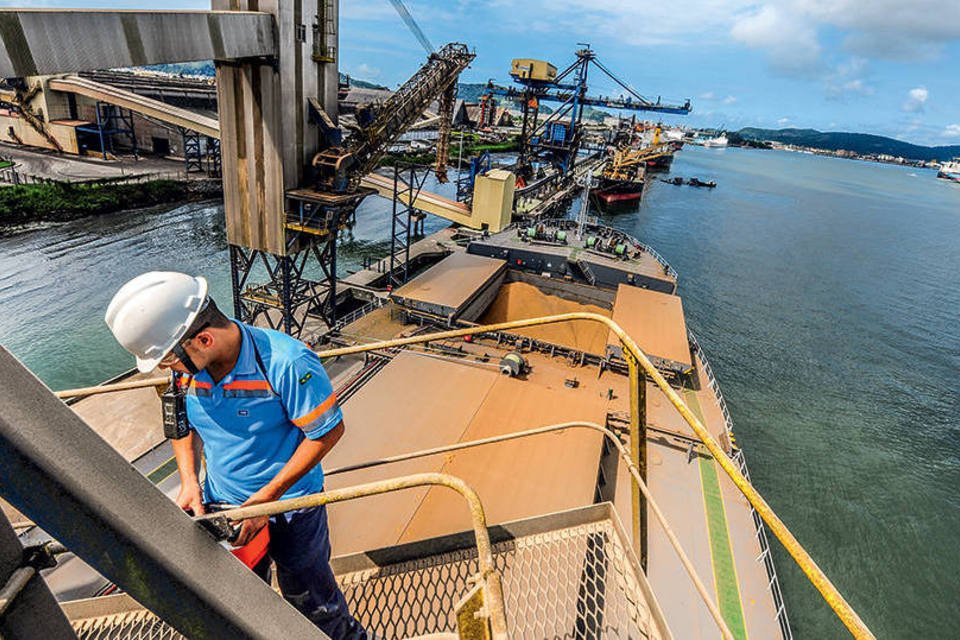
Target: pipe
column 484, row 549
column 116, row 386
column 15, row 584
column 631, row 467
column 814, row 573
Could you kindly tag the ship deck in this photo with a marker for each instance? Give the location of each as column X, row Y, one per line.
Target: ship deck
column 402, row 401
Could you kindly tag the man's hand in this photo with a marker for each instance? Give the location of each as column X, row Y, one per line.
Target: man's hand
column 308, row 454
column 252, row 526
column 190, row 499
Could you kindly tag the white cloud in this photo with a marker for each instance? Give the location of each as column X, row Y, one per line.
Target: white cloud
column 367, row 72
column 891, row 29
column 783, row 121
column 729, row 100
column 848, row 78
column 787, row 36
column 709, row 95
column 952, row 131
column 916, row 100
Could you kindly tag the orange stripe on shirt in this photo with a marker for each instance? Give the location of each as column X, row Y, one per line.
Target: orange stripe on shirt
column 248, row 385
column 317, row 412
column 200, row 385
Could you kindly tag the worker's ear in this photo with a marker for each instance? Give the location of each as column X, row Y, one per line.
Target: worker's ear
column 204, row 339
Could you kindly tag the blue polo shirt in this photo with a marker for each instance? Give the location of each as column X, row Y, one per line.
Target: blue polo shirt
column 253, row 420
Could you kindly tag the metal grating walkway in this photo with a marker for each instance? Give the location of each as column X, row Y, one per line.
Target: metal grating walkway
column 565, row 575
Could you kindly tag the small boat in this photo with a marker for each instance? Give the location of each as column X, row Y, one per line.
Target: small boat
column 950, row 170
column 676, row 180
column 697, row 182
column 720, row 141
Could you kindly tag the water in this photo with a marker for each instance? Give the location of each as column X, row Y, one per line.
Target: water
column 56, row 280
column 824, row 292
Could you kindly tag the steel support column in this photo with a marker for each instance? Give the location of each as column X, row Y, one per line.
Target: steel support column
column 192, row 153
column 403, row 223
column 288, row 296
column 638, row 452
column 69, row 481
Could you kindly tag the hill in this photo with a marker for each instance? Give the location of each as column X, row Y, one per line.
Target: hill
column 205, row 68
column 861, row 143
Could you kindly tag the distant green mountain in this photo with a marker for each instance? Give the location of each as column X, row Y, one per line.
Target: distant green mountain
column 862, row 143
column 205, row 68
column 471, row 92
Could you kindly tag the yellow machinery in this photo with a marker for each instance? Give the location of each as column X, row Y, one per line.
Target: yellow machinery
column 627, row 161
column 530, row 69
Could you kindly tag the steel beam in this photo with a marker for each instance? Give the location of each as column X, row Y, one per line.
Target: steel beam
column 33, row 613
column 69, row 481
column 141, row 104
column 43, row 42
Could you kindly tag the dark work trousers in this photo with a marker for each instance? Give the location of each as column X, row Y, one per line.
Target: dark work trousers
column 300, row 547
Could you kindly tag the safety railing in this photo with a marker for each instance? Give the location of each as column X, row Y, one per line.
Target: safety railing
column 670, row 271
column 612, row 438
column 714, row 386
column 489, row 578
column 355, row 315
column 773, row 581
column 765, row 555
column 637, row 358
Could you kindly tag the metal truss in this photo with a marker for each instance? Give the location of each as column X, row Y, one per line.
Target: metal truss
column 200, row 153
column 213, row 157
column 288, row 297
column 406, row 221
column 303, row 283
column 112, row 121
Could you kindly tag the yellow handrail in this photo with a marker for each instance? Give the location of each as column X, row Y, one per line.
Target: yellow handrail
column 488, row 572
column 553, row 428
column 814, row 573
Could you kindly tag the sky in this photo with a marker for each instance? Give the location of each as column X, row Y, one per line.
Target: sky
column 889, row 67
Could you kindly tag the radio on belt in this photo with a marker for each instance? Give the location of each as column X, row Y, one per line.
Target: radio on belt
column 174, row 404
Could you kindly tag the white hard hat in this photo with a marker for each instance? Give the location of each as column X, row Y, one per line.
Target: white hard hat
column 150, row 314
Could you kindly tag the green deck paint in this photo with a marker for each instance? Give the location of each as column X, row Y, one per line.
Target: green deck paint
column 724, row 569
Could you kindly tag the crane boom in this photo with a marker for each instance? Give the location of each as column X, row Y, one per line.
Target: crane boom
column 627, row 104
column 340, row 168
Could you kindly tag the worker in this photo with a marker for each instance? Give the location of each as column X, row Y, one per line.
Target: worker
column 264, row 410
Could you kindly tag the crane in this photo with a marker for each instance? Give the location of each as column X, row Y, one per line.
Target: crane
column 557, row 138
column 340, row 167
column 412, row 25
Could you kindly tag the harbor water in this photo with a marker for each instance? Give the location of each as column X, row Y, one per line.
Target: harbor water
column 824, row 292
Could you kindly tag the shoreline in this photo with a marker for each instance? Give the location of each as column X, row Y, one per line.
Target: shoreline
column 64, row 201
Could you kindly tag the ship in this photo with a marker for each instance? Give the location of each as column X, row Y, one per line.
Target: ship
column 618, row 192
column 950, row 170
column 720, row 141
column 546, row 495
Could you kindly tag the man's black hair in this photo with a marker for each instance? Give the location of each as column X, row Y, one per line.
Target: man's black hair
column 209, row 316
